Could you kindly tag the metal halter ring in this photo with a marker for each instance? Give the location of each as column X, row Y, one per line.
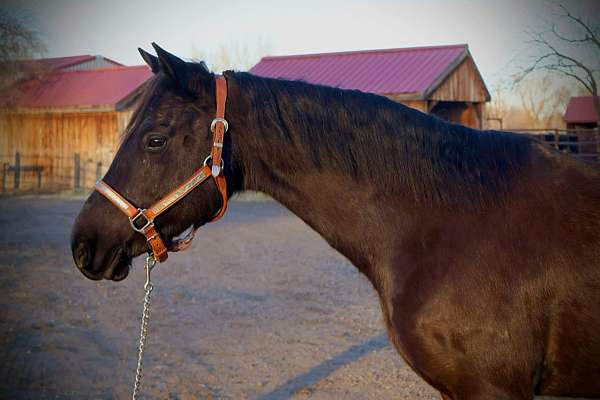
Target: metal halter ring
column 210, row 158
column 213, row 124
column 215, row 170
column 135, row 217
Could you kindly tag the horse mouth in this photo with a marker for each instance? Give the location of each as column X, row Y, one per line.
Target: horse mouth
column 181, row 241
column 119, row 266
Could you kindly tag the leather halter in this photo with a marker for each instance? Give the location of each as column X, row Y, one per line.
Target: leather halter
column 142, row 220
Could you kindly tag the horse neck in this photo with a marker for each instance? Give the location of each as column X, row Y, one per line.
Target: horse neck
column 269, row 156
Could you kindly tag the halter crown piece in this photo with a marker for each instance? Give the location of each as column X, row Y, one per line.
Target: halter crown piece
column 142, row 220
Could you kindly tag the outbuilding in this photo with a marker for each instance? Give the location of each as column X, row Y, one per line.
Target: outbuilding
column 581, row 113
column 582, row 124
column 440, row 80
column 63, row 128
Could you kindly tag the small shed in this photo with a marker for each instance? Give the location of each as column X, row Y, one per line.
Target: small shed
column 582, row 123
column 581, row 113
column 440, row 80
column 63, row 129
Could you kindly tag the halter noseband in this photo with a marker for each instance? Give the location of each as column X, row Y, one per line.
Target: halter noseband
column 142, row 220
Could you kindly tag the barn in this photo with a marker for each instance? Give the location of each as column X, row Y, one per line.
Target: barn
column 62, row 130
column 440, row 80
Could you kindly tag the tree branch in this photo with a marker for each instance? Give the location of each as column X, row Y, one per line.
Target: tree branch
column 585, row 84
column 592, row 35
column 560, row 67
column 568, row 40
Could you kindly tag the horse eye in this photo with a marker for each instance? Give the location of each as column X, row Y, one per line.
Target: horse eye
column 157, row 142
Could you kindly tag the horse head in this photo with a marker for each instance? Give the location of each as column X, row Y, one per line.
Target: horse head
column 167, row 139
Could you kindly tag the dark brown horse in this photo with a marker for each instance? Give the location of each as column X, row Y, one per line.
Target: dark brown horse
column 484, row 247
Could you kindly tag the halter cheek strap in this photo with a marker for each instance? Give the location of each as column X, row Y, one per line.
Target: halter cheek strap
column 142, row 220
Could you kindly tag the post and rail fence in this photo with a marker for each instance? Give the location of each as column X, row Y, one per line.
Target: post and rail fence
column 580, row 143
column 27, row 173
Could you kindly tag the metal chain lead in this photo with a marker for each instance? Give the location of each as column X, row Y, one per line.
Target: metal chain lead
column 150, row 262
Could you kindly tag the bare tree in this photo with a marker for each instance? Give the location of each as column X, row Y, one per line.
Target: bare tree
column 498, row 107
column 17, row 42
column 541, row 102
column 573, row 51
column 239, row 56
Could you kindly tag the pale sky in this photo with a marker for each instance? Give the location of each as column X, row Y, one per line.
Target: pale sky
column 496, row 31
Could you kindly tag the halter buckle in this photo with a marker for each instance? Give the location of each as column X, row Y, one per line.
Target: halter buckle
column 213, row 124
column 133, row 219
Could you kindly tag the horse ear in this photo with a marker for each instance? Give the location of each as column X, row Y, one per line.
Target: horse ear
column 151, row 60
column 189, row 77
column 171, row 65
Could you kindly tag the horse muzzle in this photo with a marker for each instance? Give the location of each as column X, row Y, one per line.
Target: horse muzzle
column 114, row 265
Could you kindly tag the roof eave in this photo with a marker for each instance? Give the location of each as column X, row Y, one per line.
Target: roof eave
column 579, row 121
column 75, row 62
column 451, row 67
column 488, row 96
column 442, row 77
column 131, row 98
column 412, row 96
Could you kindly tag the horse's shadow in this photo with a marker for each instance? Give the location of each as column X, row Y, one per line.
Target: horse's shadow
column 324, row 369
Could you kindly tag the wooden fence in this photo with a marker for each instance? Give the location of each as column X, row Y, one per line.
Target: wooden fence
column 580, row 143
column 33, row 173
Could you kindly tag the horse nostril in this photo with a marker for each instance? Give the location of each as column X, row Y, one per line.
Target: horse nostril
column 82, row 256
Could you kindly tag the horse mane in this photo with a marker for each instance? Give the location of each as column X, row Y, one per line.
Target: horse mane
column 372, row 138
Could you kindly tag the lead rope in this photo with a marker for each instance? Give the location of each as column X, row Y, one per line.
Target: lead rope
column 150, row 263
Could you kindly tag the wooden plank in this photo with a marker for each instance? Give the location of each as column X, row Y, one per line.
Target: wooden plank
column 463, row 84
column 49, row 141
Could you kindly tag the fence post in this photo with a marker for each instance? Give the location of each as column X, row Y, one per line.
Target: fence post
column 83, row 174
column 98, row 170
column 17, row 170
column 76, row 171
column 4, row 172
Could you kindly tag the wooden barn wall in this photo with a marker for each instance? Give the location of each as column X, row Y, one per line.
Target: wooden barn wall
column 468, row 114
column 51, row 140
column 463, row 84
column 420, row 105
column 464, row 113
column 416, row 104
column 123, row 118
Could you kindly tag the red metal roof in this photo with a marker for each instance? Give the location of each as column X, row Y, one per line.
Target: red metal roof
column 390, row 71
column 581, row 110
column 99, row 87
column 51, row 64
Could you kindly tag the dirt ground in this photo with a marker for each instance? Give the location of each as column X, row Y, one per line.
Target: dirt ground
column 271, row 312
